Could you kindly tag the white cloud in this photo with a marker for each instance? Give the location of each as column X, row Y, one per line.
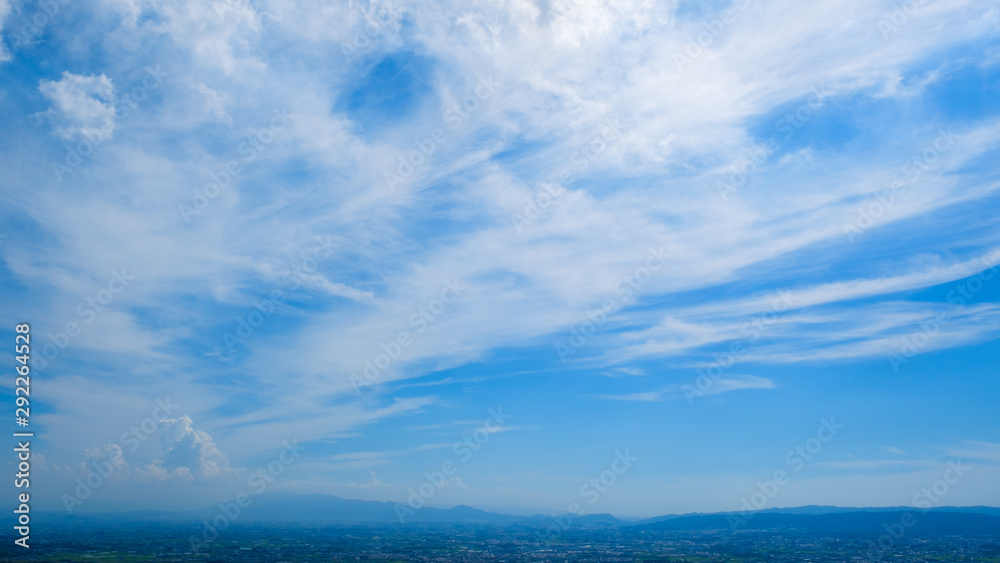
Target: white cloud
column 104, row 460
column 373, row 482
column 214, row 104
column 4, row 12
column 82, row 106
column 731, row 382
column 187, row 454
column 988, row 452
column 736, row 383
column 643, row 396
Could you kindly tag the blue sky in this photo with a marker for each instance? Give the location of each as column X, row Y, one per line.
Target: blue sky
column 688, row 231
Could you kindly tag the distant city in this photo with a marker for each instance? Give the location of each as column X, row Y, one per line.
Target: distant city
column 291, row 528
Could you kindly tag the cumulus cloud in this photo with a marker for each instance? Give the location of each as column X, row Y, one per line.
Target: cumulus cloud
column 108, row 461
column 372, row 483
column 188, row 453
column 112, row 453
column 81, row 106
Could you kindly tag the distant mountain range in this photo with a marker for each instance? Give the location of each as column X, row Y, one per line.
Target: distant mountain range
column 319, row 508
column 940, row 522
column 817, row 510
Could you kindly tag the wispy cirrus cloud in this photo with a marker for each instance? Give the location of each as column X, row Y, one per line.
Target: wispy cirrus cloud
column 366, row 99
